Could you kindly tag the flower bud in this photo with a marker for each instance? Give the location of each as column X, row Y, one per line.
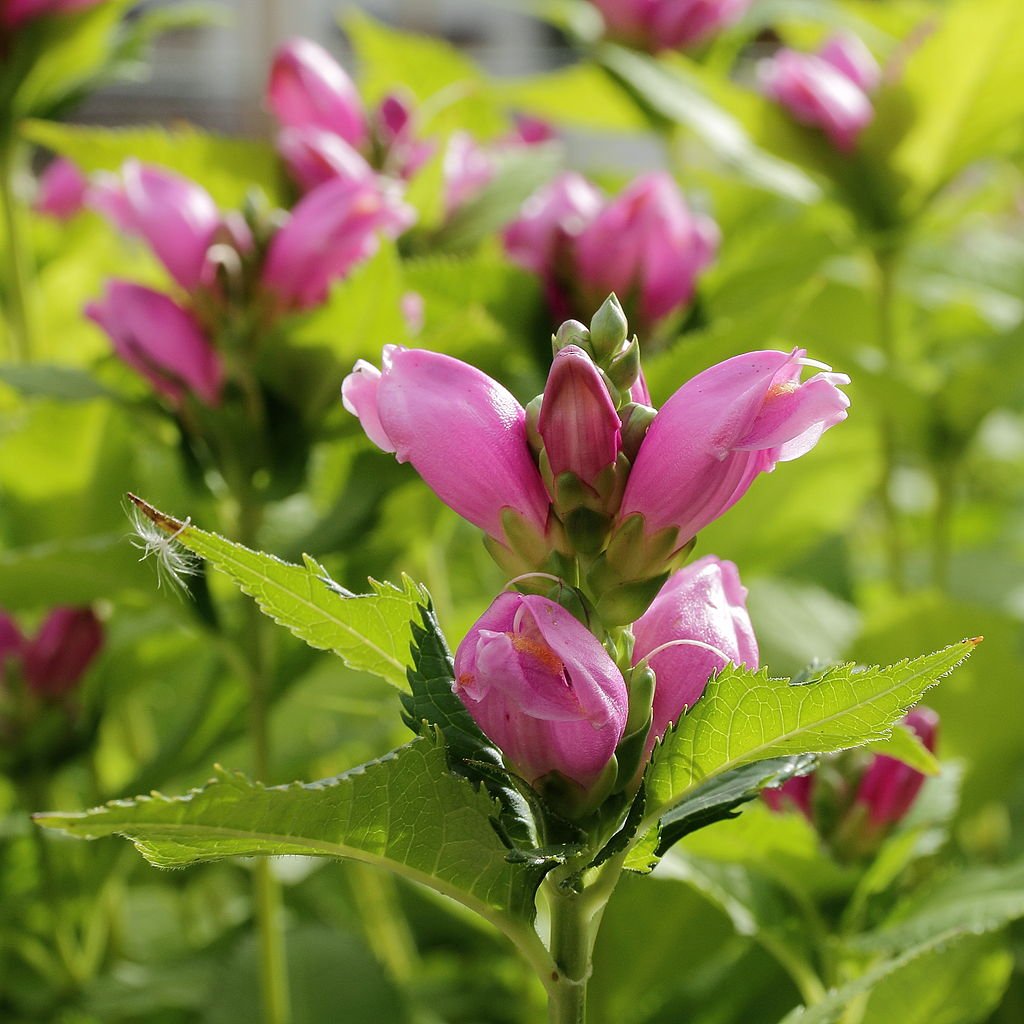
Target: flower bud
column 578, row 422
column 648, row 247
column 819, row 94
column 542, row 687
column 889, row 787
column 330, row 230
column 57, row 657
column 696, row 626
column 608, row 329
column 636, row 421
column 668, row 24
column 847, row 53
column 314, row 155
column 159, row 340
column 308, row 87
column 462, row 431
column 176, row 217
column 62, row 189
column 571, row 332
column 720, row 430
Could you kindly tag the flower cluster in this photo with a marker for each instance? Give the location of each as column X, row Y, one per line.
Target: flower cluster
column 590, row 489
column 829, row 89
column 645, row 245
column 856, row 799
column 668, row 24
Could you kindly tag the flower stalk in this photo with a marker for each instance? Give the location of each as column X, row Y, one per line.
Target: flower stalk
column 17, row 269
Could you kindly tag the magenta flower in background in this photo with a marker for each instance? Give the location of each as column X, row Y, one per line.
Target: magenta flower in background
column 11, row 640
column 394, row 128
column 668, row 24
column 314, row 156
column 889, row 787
column 721, row 429
column 796, row 792
column 647, row 247
column 16, row 12
column 62, row 190
column 176, row 217
column 159, row 340
column 578, row 423
column 57, row 657
column 827, row 90
column 462, row 431
column 703, row 605
column 542, row 687
column 309, row 88
column 330, row 230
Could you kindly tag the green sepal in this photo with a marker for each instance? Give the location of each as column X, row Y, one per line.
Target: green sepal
column 569, row 799
column 571, row 332
column 633, row 553
column 636, row 421
column 586, row 530
column 533, row 438
column 625, row 603
column 624, row 369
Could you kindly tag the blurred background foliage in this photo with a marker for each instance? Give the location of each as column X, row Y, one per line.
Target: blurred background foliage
column 901, row 264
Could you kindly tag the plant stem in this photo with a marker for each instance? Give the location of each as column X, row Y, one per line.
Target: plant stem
column 17, row 272
column 571, row 946
column 266, row 888
column 885, row 266
column 383, row 920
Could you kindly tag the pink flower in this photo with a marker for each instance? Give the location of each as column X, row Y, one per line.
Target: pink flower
column 889, row 787
column 721, row 429
column 57, row 657
column 668, row 24
column 647, row 247
column 11, row 640
column 461, row 430
column 62, row 188
column 308, row 88
column 16, row 12
column 847, row 53
column 578, row 422
column 314, row 156
column 696, row 626
column 403, row 153
column 331, row 229
column 159, row 340
column 542, row 687
column 795, row 792
column 817, row 92
column 468, row 168
column 176, row 217
column 531, row 131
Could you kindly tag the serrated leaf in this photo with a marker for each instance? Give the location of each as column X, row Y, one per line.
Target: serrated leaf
column 746, row 716
column 369, row 632
column 976, row 901
column 227, row 168
column 405, row 812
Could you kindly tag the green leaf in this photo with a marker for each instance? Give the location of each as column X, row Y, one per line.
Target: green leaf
column 227, row 168
column 369, row 632
column 905, row 745
column 61, row 382
column 746, row 716
column 976, row 901
column 406, row 812
column 958, row 98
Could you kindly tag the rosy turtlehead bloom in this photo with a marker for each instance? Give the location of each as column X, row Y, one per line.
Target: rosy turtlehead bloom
column 822, row 91
column 16, row 12
column 668, row 24
column 330, row 230
column 889, row 787
column 463, row 432
column 724, row 427
column 314, row 155
column 309, row 88
column 646, row 246
column 578, row 423
column 159, row 340
column 176, row 217
column 394, row 129
column 696, row 626
column 62, row 189
column 542, row 687
column 848, row 54
column 57, row 657
column 468, row 168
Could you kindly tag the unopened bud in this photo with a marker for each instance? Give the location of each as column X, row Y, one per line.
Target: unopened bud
column 624, row 369
column 533, row 438
column 636, row 421
column 571, row 332
column 608, row 329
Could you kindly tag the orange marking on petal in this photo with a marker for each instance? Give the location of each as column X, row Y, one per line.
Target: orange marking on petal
column 535, row 649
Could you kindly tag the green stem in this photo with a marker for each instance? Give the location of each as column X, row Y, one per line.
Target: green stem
column 885, row 266
column 266, row 888
column 17, row 271
column 383, row 921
